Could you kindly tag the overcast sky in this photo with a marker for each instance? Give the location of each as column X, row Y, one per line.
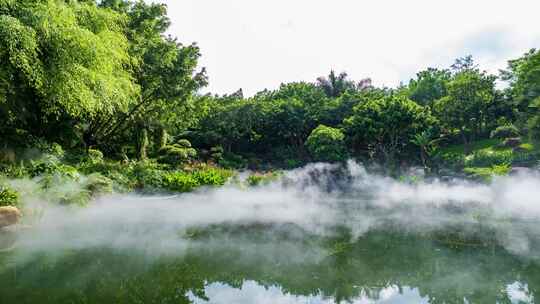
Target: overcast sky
column 257, row 44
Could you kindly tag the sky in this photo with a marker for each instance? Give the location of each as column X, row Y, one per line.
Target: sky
column 258, row 44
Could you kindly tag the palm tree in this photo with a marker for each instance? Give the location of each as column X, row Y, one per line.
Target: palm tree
column 427, row 145
column 333, row 86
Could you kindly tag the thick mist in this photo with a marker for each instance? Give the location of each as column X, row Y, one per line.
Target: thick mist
column 314, row 200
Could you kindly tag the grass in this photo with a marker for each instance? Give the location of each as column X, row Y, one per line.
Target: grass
column 487, row 158
column 487, row 173
column 488, row 145
column 478, row 145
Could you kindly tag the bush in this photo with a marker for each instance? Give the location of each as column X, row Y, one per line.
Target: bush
column 8, row 197
column 95, row 155
column 327, row 144
column 505, row 132
column 120, row 174
column 98, row 184
column 486, row 174
column 184, row 143
column 512, row 142
column 180, row 182
column 216, row 154
column 176, row 154
column 146, row 174
column 486, row 158
column 50, row 165
column 258, row 179
column 233, row 161
column 212, row 176
column 44, row 147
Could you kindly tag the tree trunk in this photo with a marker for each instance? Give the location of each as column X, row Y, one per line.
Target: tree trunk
column 163, row 138
column 466, row 143
column 143, row 144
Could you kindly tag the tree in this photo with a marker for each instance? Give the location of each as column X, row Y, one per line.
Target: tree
column 523, row 75
column 429, row 86
column 327, row 144
column 164, row 69
column 427, row 142
column 386, row 126
column 63, row 63
column 335, row 85
column 465, row 108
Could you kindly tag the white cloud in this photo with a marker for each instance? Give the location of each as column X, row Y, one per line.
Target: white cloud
column 256, row 44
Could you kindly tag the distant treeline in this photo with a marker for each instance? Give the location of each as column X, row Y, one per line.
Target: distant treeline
column 103, row 75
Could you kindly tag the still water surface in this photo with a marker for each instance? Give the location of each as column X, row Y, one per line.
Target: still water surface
column 251, row 265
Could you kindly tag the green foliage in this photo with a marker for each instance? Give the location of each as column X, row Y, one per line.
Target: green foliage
column 505, row 132
column 327, row 144
column 259, row 179
column 183, row 181
column 177, row 154
column 180, row 182
column 8, row 196
column 512, row 142
column 487, row 173
column 98, row 184
column 335, row 85
column 50, row 165
column 533, row 124
column 62, row 59
column 233, row 161
column 487, row 158
column 429, row 86
column 387, row 126
column 212, row 176
column 216, row 154
column 184, row 143
column 95, row 155
column 465, row 108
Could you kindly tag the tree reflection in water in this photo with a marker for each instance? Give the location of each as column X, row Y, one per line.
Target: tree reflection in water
column 249, row 263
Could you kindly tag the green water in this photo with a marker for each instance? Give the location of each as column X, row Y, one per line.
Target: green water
column 254, row 265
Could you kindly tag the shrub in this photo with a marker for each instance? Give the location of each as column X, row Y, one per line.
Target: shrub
column 80, row 197
column 487, row 158
column 512, row 142
column 176, row 154
column 184, row 143
column 216, row 154
column 486, row 174
column 146, row 174
column 98, row 184
column 326, row 144
column 233, row 161
column 258, row 179
column 212, row 176
column 180, row 181
column 50, row 165
column 120, row 174
column 14, row 171
column 505, row 132
column 8, row 197
column 95, row 155
column 44, row 147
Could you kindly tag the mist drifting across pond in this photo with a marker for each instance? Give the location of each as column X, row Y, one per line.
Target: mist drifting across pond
column 313, row 200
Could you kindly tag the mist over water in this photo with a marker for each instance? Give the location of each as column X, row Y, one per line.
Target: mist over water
column 313, row 200
column 320, row 234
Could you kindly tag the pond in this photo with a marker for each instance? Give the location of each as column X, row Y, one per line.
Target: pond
column 370, row 239
column 249, row 265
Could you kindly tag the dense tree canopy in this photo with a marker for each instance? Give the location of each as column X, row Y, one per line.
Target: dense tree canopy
column 88, row 74
column 61, row 63
column 386, row 127
column 465, row 108
column 104, row 74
